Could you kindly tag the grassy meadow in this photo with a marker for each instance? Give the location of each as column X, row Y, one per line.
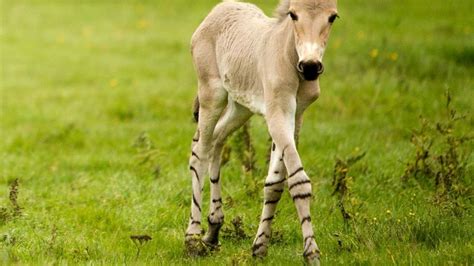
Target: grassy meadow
column 96, row 126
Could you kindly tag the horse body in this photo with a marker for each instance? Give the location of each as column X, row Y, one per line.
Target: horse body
column 248, row 63
column 237, row 32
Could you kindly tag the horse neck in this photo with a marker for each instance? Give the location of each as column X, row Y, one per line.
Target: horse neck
column 283, row 38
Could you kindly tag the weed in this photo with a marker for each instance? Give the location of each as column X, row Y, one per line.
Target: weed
column 51, row 243
column 241, row 258
column 140, row 241
column 440, row 158
column 342, row 184
column 147, row 153
column 241, row 145
column 225, row 155
column 4, row 215
column 67, row 134
column 9, row 213
column 236, row 231
column 14, row 198
column 243, row 148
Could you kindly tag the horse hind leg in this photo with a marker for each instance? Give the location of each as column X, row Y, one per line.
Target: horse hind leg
column 213, row 98
column 234, row 117
column 274, row 186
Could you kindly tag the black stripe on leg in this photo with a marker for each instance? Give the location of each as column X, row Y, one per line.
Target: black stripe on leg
column 195, row 222
column 263, row 234
column 195, row 172
column 272, row 201
column 308, row 237
column 210, row 222
column 273, row 146
column 302, row 196
column 196, row 203
column 297, row 171
column 299, row 183
column 278, row 190
column 217, row 200
column 195, row 155
column 195, row 140
column 276, row 172
column 307, row 252
column 257, row 247
column 305, row 219
column 268, row 219
column 274, row 183
column 216, row 180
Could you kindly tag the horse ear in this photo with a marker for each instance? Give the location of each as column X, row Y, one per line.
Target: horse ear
column 281, row 11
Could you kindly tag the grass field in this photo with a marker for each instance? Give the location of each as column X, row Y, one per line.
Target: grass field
column 96, row 127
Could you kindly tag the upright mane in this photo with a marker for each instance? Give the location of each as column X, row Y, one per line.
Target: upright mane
column 281, row 11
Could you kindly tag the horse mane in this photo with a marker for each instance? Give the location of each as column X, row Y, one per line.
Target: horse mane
column 281, row 11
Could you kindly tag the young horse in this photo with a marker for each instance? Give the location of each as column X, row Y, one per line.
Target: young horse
column 247, row 63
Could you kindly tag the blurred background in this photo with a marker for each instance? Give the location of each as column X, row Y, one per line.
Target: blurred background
column 96, row 126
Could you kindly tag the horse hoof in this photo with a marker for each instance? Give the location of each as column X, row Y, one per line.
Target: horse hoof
column 211, row 243
column 195, row 247
column 259, row 250
column 313, row 258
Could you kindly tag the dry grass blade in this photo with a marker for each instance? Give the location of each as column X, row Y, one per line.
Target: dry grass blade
column 14, row 197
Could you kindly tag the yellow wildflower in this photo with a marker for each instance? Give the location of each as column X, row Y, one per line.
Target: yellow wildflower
column 113, row 83
column 393, row 56
column 143, row 24
column 374, row 53
column 86, row 32
column 60, row 39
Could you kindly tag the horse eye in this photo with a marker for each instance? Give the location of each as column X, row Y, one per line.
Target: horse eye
column 293, row 15
column 332, row 18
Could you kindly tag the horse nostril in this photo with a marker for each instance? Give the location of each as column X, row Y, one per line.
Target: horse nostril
column 320, row 67
column 300, row 67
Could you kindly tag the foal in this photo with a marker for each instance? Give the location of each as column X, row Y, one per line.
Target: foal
column 247, row 64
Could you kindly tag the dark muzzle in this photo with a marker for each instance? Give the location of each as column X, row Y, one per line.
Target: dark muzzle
column 310, row 70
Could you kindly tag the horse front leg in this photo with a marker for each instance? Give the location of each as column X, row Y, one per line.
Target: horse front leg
column 274, row 186
column 281, row 123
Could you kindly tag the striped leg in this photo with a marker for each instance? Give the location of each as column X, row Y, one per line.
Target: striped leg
column 234, row 117
column 282, row 129
column 212, row 103
column 274, row 185
column 299, row 186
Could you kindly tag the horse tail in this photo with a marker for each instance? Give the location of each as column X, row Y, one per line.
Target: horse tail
column 196, row 109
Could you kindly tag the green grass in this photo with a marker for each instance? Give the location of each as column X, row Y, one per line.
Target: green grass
column 81, row 80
